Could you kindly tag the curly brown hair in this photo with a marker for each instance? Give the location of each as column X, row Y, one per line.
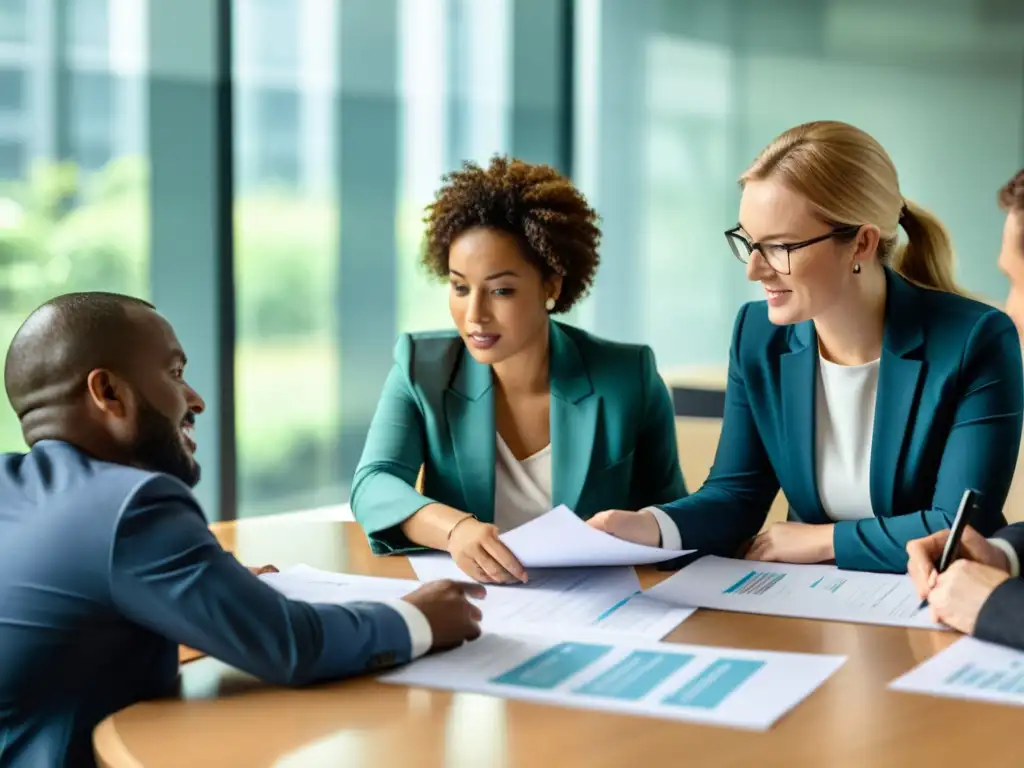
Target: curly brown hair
column 1011, row 196
column 534, row 202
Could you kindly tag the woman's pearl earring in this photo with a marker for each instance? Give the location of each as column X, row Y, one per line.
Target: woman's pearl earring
column 549, row 304
column 856, row 268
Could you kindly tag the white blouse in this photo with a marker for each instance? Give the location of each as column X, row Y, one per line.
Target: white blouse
column 844, row 422
column 522, row 489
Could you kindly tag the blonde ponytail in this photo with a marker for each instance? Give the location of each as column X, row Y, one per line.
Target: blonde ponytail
column 849, row 179
column 927, row 257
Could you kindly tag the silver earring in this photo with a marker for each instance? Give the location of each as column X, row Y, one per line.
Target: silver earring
column 856, row 268
column 549, row 304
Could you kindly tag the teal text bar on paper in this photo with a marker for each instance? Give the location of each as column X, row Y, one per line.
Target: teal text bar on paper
column 636, row 675
column 715, row 684
column 554, row 666
column 754, row 583
column 1009, row 680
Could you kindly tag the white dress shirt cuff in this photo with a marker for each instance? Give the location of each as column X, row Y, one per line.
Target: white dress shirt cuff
column 1011, row 555
column 670, row 538
column 420, row 635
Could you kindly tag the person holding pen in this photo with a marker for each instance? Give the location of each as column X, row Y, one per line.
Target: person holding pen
column 981, row 593
column 512, row 412
column 865, row 384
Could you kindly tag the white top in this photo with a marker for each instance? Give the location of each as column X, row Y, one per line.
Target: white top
column 844, row 415
column 522, row 492
column 522, row 489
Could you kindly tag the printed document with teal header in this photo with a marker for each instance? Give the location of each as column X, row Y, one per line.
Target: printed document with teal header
column 803, row 591
column 719, row 686
column 969, row 669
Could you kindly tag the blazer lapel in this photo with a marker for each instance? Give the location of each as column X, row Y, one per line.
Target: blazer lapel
column 469, row 409
column 573, row 418
column 799, row 370
column 899, row 378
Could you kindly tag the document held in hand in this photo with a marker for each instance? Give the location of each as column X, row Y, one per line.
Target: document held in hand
column 603, row 599
column 560, row 539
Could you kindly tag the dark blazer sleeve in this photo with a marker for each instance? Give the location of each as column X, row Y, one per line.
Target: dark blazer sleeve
column 169, row 574
column 1002, row 616
column 980, row 453
column 733, row 503
column 1014, row 536
column 657, row 478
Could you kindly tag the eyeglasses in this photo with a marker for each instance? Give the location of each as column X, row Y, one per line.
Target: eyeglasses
column 777, row 254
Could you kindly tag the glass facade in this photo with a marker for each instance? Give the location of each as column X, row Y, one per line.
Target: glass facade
column 74, row 164
column 259, row 169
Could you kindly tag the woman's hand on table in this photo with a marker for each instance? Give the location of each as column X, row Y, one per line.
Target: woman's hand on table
column 793, row 543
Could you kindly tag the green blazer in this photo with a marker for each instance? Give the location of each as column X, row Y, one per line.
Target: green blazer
column 613, row 438
column 947, row 417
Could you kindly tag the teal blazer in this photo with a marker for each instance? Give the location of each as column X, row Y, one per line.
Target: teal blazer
column 613, row 438
column 947, row 417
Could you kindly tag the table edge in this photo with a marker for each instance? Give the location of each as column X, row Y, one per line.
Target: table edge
column 108, row 748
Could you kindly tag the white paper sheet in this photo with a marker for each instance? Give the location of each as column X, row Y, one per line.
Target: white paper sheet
column 607, row 599
column 560, row 539
column 602, row 598
column 589, row 671
column 803, row 591
column 301, row 582
column 969, row 669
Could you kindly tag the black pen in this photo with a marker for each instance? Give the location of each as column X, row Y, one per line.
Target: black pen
column 969, row 504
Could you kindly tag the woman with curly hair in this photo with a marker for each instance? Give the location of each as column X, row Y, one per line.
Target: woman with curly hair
column 512, row 413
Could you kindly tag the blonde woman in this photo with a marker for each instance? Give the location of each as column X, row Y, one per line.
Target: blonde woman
column 864, row 384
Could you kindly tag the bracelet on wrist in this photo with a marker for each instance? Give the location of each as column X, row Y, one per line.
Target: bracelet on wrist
column 459, row 522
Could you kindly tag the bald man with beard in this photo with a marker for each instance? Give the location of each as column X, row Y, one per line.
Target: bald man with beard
column 106, row 560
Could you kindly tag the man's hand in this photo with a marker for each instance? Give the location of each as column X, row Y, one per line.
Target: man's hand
column 924, row 557
column 638, row 527
column 480, row 554
column 452, row 618
column 961, row 591
column 793, row 543
column 259, row 570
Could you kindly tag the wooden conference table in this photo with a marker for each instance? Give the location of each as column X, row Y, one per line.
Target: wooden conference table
column 225, row 718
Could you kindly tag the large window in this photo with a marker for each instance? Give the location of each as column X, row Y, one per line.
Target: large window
column 13, row 21
column 73, row 183
column 286, row 253
column 676, row 99
column 339, row 148
column 345, row 115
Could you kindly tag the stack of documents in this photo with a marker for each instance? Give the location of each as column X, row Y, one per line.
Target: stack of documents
column 969, row 669
column 803, row 591
column 606, row 599
column 602, row 598
column 682, row 682
column 301, row 582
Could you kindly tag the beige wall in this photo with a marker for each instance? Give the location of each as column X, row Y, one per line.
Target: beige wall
column 697, row 440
